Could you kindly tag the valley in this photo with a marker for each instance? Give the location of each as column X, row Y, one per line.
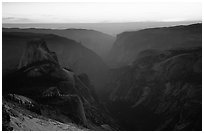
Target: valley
column 78, row 79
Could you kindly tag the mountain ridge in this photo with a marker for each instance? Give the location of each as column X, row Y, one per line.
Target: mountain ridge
column 129, row 44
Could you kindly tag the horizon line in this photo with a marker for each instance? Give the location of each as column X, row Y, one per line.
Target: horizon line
column 98, row 22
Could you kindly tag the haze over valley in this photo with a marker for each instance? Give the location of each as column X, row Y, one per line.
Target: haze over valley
column 121, row 68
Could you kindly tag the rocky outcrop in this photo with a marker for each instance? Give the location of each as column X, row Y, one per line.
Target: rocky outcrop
column 6, row 119
column 161, row 90
column 25, row 102
column 129, row 44
column 18, row 118
column 52, row 92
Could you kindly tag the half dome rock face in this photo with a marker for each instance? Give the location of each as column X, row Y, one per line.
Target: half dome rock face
column 37, row 51
column 39, row 67
column 38, row 61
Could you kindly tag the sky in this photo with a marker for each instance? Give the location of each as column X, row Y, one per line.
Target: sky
column 99, row 12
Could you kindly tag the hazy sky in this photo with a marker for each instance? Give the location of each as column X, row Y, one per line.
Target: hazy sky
column 99, row 12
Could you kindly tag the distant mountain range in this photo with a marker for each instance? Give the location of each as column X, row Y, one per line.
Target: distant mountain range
column 105, row 27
